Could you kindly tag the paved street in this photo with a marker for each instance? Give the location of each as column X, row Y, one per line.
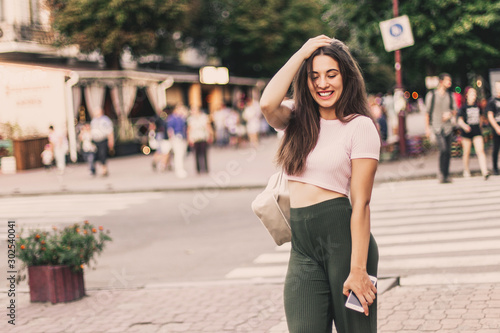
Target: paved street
column 439, row 241
column 43, row 212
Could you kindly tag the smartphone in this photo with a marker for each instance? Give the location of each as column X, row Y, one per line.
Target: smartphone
column 353, row 302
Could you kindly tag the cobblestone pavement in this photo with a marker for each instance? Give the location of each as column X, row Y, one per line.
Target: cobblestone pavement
column 207, row 308
column 444, row 309
column 249, row 307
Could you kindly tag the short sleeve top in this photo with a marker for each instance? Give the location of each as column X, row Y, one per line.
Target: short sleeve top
column 198, row 127
column 471, row 114
column 494, row 106
column 329, row 165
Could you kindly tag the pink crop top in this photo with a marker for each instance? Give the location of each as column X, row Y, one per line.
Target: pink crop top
column 328, row 165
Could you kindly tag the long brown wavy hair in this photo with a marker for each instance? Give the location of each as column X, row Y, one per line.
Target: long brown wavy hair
column 303, row 128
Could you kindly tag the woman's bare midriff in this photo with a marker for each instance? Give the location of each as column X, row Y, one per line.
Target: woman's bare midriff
column 303, row 195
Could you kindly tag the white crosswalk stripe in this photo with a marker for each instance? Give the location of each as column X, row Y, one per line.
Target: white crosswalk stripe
column 427, row 233
column 43, row 212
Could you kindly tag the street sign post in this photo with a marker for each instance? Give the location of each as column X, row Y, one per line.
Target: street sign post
column 396, row 33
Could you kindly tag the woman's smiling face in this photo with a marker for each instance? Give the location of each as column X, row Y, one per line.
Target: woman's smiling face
column 325, row 84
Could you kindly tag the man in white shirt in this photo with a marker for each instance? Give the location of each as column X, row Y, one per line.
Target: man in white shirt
column 101, row 129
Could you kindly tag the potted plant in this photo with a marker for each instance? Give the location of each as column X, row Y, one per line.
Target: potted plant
column 56, row 259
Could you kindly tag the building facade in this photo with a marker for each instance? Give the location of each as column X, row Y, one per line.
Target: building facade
column 41, row 85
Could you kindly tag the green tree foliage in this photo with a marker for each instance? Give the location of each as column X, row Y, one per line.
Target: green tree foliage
column 255, row 38
column 357, row 24
column 456, row 36
column 109, row 27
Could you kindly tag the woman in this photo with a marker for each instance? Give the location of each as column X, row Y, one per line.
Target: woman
column 59, row 144
column 330, row 148
column 176, row 130
column 469, row 120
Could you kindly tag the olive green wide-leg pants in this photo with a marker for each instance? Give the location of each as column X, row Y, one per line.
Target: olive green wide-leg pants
column 318, row 267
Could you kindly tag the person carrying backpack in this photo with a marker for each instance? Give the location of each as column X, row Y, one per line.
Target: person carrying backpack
column 441, row 112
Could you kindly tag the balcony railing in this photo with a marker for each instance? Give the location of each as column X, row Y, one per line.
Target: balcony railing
column 36, row 34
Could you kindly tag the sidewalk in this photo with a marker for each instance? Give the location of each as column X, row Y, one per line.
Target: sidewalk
column 231, row 306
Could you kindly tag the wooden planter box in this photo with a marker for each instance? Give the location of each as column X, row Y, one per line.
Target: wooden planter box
column 55, row 284
column 28, row 151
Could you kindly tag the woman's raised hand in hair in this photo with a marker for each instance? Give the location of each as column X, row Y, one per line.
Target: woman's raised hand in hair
column 313, row 44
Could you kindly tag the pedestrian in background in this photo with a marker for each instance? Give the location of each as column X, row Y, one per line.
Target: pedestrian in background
column 441, row 112
column 219, row 120
column 378, row 113
column 177, row 133
column 233, row 124
column 101, row 128
column 59, row 144
column 200, row 135
column 158, row 137
column 469, row 120
column 47, row 156
column 493, row 113
column 252, row 115
column 330, row 149
column 87, row 145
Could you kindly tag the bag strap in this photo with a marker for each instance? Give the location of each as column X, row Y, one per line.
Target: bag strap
column 431, row 109
column 280, row 178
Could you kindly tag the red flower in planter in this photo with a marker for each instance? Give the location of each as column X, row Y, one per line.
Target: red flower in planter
column 62, row 246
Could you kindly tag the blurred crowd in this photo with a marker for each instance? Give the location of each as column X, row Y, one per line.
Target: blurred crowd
column 181, row 131
column 176, row 133
column 459, row 123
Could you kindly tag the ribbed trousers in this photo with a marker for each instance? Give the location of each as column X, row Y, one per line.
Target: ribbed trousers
column 318, row 267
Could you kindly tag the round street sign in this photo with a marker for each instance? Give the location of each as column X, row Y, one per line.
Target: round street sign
column 396, row 30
